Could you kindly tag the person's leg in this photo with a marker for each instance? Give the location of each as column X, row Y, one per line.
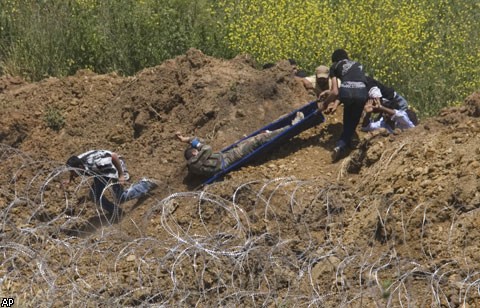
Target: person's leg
column 348, row 127
column 135, row 191
column 412, row 115
column 352, row 114
column 99, row 184
column 118, row 191
column 249, row 145
column 401, row 120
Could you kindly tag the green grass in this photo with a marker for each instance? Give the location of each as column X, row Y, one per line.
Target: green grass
column 428, row 51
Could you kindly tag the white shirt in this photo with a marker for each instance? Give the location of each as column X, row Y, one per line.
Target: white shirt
column 400, row 118
column 99, row 162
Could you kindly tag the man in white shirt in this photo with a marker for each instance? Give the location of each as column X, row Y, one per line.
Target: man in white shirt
column 107, row 169
column 393, row 109
column 390, row 119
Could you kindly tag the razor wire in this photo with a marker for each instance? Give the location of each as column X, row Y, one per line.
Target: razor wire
column 280, row 242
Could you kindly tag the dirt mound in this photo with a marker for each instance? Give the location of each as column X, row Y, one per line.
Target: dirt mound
column 392, row 224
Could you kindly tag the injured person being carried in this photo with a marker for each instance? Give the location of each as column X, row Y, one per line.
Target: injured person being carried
column 201, row 160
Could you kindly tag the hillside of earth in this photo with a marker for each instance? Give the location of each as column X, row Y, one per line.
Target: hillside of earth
column 394, row 224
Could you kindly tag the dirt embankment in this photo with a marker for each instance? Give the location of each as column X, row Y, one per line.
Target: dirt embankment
column 393, row 224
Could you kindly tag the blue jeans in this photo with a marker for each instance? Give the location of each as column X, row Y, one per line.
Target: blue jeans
column 136, row 190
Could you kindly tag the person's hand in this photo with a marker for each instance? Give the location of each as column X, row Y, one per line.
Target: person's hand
column 181, row 137
column 67, row 181
column 368, row 108
column 121, row 179
column 331, row 108
column 321, row 107
column 376, row 105
column 323, row 96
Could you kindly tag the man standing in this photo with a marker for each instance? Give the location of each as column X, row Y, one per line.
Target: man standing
column 352, row 93
column 108, row 169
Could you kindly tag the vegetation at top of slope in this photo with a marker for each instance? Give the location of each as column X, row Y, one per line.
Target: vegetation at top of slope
column 428, row 51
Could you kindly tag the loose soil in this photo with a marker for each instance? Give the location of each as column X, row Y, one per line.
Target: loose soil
column 393, row 224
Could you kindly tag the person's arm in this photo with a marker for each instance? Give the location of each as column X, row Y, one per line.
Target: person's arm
column 372, row 105
column 387, row 111
column 183, row 138
column 331, row 98
column 118, row 165
column 402, row 120
column 323, row 95
column 71, row 176
column 205, row 151
column 332, row 107
column 195, row 142
column 307, row 84
column 371, row 126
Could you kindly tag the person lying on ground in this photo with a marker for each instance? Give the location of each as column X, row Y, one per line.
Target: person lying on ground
column 201, row 160
column 107, row 169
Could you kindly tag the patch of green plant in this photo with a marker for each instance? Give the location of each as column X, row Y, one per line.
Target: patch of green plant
column 54, row 118
column 57, row 38
column 420, row 48
column 385, row 288
column 427, row 50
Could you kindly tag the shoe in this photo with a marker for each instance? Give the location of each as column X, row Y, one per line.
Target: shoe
column 114, row 215
column 338, row 153
column 298, row 117
column 152, row 184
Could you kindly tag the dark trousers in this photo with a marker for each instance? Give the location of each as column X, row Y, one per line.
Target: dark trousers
column 98, row 193
column 351, row 117
column 353, row 101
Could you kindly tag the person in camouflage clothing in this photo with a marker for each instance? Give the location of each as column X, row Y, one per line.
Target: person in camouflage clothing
column 201, row 160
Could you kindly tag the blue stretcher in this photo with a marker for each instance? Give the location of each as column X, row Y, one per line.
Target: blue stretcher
column 312, row 117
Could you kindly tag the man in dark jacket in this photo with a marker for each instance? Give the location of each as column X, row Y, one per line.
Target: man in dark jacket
column 352, row 93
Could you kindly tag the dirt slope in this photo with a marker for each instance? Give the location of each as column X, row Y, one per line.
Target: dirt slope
column 394, row 224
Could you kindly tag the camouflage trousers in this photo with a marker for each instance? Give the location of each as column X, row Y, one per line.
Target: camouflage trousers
column 249, row 145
